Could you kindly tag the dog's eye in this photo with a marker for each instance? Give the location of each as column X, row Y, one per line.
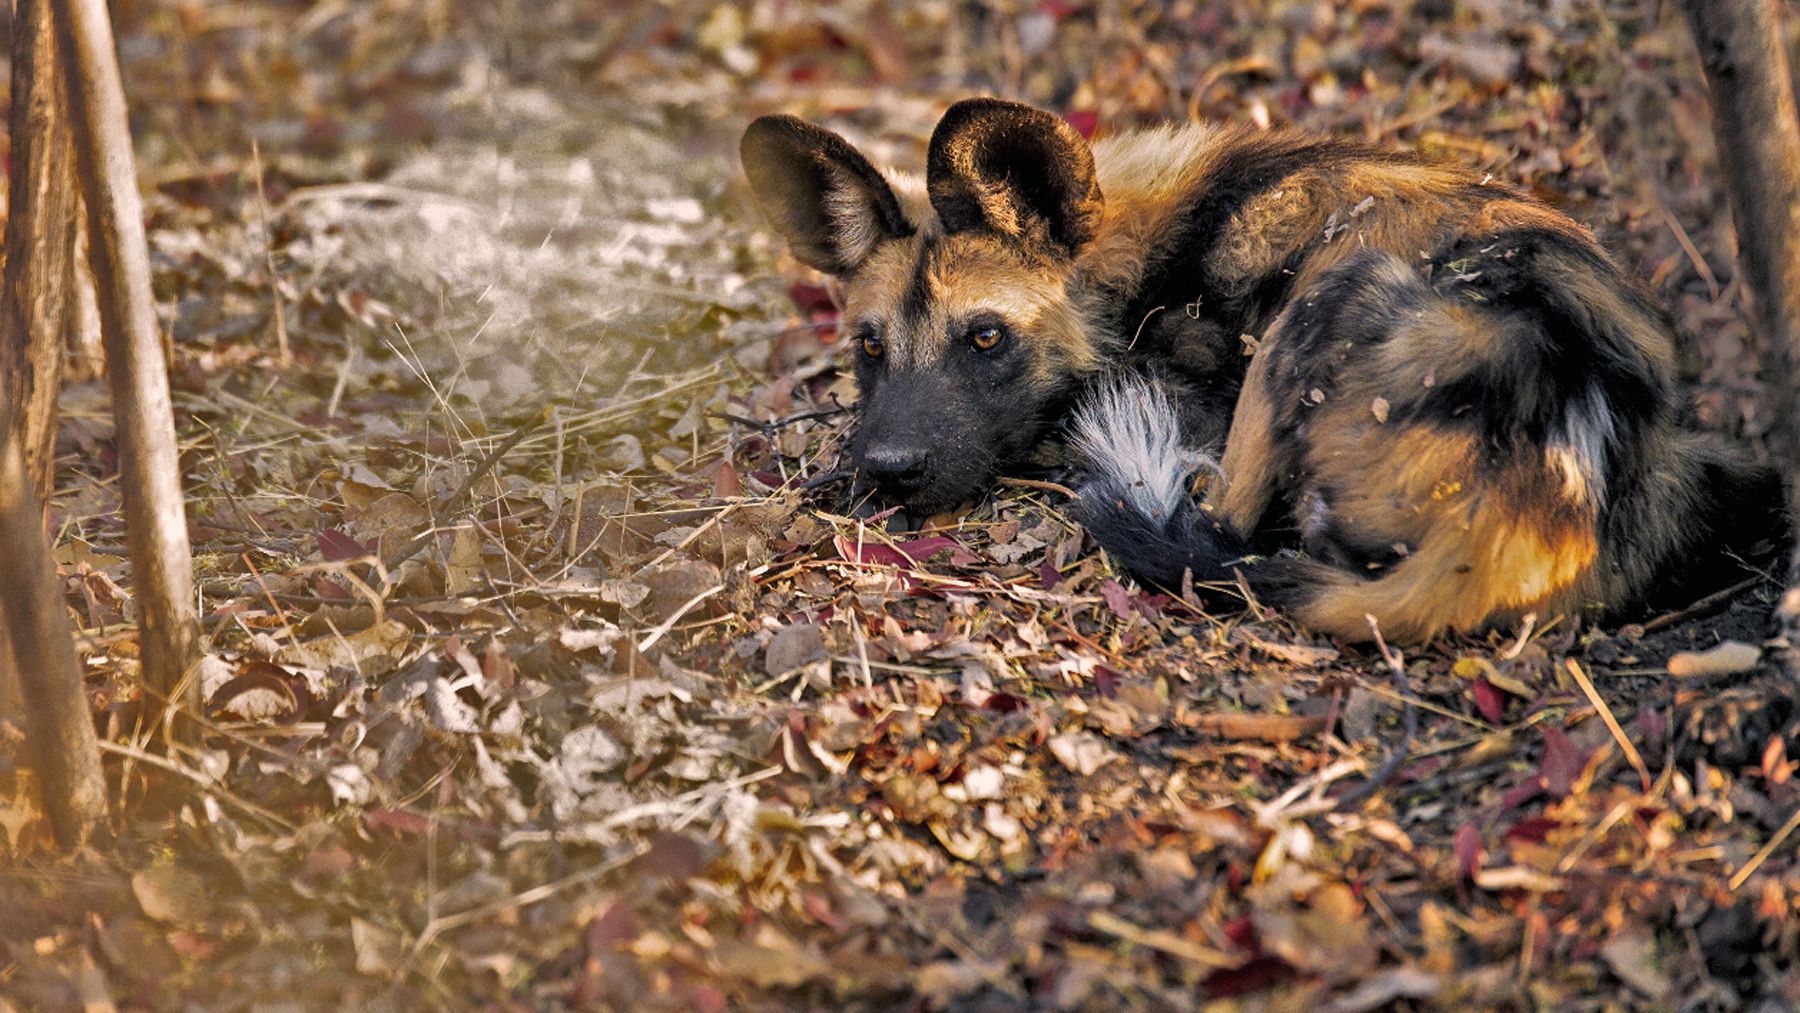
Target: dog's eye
column 987, row 337
column 872, row 345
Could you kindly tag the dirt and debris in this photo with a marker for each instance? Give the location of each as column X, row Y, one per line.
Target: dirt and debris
column 651, row 720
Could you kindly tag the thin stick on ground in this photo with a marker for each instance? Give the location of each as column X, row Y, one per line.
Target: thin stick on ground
column 280, row 306
column 1409, row 726
column 149, row 463
column 1612, row 723
column 481, row 470
column 1762, row 854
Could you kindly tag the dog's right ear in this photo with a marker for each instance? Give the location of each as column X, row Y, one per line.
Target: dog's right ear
column 821, row 194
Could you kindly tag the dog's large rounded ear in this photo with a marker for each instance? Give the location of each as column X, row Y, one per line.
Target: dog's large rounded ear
column 821, row 194
column 1013, row 169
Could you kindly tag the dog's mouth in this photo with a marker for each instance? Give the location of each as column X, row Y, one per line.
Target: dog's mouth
column 923, row 501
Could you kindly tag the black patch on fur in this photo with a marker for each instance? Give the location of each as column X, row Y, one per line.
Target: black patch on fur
column 1558, row 352
column 1156, row 551
column 1351, row 309
column 1179, row 273
column 915, row 302
column 975, row 412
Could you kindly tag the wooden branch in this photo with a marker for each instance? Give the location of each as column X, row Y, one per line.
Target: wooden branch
column 35, row 292
column 35, row 300
column 58, row 724
column 1743, row 51
column 149, row 464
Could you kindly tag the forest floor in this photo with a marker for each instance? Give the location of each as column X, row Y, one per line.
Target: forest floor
column 652, row 720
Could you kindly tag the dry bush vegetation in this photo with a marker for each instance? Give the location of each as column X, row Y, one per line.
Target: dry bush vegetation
column 647, row 719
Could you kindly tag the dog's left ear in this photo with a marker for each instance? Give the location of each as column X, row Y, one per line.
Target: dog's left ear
column 1015, row 170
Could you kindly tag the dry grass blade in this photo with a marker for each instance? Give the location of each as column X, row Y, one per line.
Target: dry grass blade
column 1612, row 723
column 1409, row 725
column 537, row 894
column 1762, row 854
column 1161, row 940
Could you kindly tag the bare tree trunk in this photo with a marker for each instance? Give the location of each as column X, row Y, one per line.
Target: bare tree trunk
column 35, row 303
column 149, row 464
column 58, row 723
column 40, row 238
column 1743, row 51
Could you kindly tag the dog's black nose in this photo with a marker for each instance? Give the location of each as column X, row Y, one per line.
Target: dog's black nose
column 896, row 466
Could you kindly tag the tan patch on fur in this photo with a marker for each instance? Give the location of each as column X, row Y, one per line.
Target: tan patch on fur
column 1146, row 176
column 1249, row 464
column 969, row 276
column 1480, row 546
column 915, row 203
column 1504, row 563
column 1502, row 215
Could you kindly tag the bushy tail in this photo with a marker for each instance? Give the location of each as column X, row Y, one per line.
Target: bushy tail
column 1135, row 500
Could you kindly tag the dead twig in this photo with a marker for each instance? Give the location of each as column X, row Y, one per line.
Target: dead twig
column 1763, row 853
column 1703, row 606
column 1410, row 726
column 481, row 470
column 1612, row 723
column 768, row 428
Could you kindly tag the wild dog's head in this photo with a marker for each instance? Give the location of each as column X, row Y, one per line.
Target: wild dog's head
column 957, row 295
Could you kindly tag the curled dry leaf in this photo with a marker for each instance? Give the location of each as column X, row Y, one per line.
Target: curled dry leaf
column 1728, row 658
column 1081, row 752
column 261, row 692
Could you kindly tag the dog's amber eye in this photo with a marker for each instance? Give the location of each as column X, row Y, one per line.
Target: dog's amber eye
column 986, row 337
column 872, row 346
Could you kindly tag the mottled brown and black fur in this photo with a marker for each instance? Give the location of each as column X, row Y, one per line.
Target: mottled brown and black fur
column 1467, row 410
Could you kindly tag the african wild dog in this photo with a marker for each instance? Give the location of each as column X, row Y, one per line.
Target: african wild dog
column 1464, row 405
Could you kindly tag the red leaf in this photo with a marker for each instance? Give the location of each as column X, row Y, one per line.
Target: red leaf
column 1522, row 792
column 1535, row 830
column 336, row 546
column 1242, row 933
column 769, row 479
column 614, row 927
column 1562, row 762
column 1085, row 121
column 726, row 483
column 1468, row 852
column 1150, row 606
column 1049, row 574
column 1256, row 975
column 1489, row 700
column 1002, row 703
column 1106, row 681
column 325, row 587
column 1116, row 598
column 904, row 555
